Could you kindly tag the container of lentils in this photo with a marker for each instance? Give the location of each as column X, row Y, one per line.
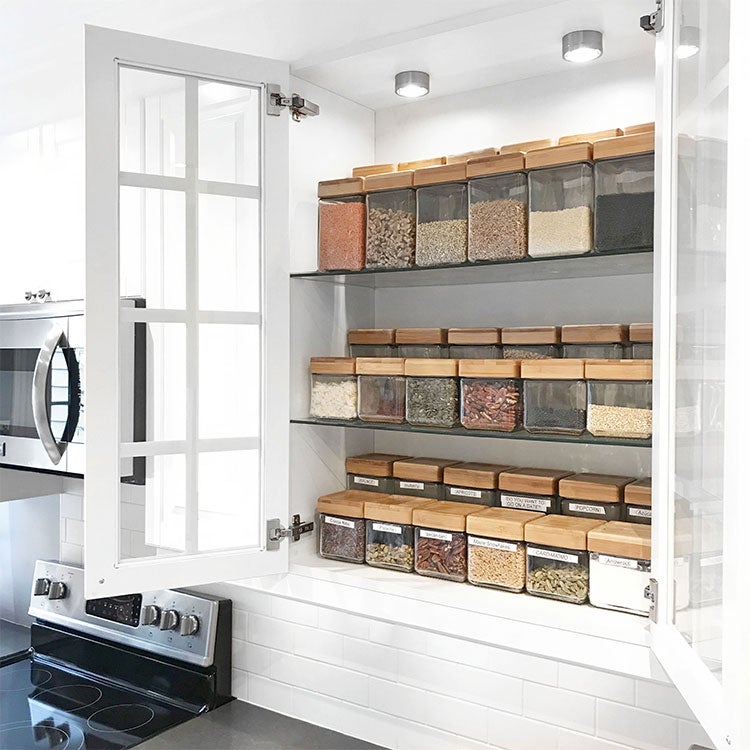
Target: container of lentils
column 496, row 547
column 498, row 204
column 638, row 501
column 474, row 343
column 341, row 225
column 561, row 198
column 593, row 496
column 391, row 220
column 342, row 525
column 442, row 215
column 554, row 396
column 641, row 337
column 440, row 539
column 620, row 566
column 619, row 398
column 600, row 341
column 557, row 561
column 430, row 343
column 372, row 342
column 420, row 477
column 381, row 389
column 624, row 190
column 371, row 472
column 471, row 482
column 491, row 396
column 531, row 489
column 389, row 533
column 431, row 392
column 333, row 388
column 531, row 342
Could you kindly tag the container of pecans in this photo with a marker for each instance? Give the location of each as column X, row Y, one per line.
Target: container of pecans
column 471, row 482
column 531, row 342
column 342, row 525
column 491, row 396
column 341, row 225
column 431, row 392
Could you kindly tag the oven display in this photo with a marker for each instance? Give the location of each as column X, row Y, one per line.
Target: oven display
column 122, row 609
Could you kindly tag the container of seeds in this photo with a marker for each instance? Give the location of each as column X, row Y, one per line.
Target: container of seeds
column 557, row 561
column 381, row 389
column 391, row 220
column 333, row 388
column 531, row 489
column 420, row 477
column 641, row 336
column 531, row 342
column 472, row 482
column 554, row 396
column 638, row 501
column 430, row 343
column 601, row 341
column 341, row 225
column 371, row 472
column 474, row 343
column 589, row 495
column 491, row 397
column 372, row 342
column 496, row 547
column 431, row 392
column 342, row 525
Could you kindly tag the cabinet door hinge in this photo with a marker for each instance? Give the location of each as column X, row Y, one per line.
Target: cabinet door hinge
column 297, row 105
column 654, row 22
column 275, row 532
column 651, row 592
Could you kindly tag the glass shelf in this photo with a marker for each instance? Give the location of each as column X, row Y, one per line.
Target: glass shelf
column 525, row 269
column 585, row 439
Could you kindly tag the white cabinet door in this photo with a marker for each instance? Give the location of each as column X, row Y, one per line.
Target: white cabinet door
column 186, row 208
column 701, row 519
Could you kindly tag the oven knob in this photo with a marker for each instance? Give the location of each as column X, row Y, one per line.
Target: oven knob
column 170, row 619
column 150, row 615
column 189, row 625
column 41, row 586
column 57, row 590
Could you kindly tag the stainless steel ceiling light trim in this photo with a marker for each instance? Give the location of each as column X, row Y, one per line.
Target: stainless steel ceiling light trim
column 582, row 46
column 412, row 83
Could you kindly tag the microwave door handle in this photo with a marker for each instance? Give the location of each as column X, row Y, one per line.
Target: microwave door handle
column 39, row 393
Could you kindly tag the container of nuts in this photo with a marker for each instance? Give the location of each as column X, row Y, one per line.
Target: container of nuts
column 471, row 482
column 491, row 397
column 371, row 472
column 474, row 343
column 342, row 525
column 593, row 496
column 420, row 477
column 431, row 392
column 422, row 342
column 440, row 539
column 496, row 547
column 391, row 220
column 381, row 389
column 531, row 489
column 531, row 342
column 341, row 225
column 333, row 388
column 554, row 396
column 557, row 563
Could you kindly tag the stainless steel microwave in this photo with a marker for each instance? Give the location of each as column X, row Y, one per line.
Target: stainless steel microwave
column 42, row 401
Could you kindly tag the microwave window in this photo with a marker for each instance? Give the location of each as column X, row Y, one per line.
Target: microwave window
column 16, row 377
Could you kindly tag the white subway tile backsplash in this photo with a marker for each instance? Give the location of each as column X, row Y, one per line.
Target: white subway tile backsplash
column 411, row 736
column 71, row 553
column 267, row 631
column 132, row 517
column 293, row 611
column 269, row 694
column 634, row 726
column 692, row 733
column 665, row 699
column 71, row 506
column 569, row 740
column 559, row 707
column 599, row 684
column 239, row 684
column 524, row 666
column 239, row 624
column 249, row 656
column 371, row 658
column 344, row 623
column 520, row 733
column 321, row 645
column 73, row 531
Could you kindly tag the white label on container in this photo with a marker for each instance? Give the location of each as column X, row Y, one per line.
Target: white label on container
column 583, row 508
column 388, row 528
column 618, row 562
column 550, row 554
column 443, row 536
column 478, row 541
column 340, row 522
column 715, row 560
column 525, row 503
column 639, row 512
column 411, row 485
column 462, row 492
column 366, row 480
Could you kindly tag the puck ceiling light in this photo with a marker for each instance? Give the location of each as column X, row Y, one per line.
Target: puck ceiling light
column 412, row 83
column 582, row 46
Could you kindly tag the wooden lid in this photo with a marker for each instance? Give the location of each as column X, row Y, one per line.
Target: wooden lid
column 389, row 181
column 568, row 154
column 533, row 481
column 473, row 335
column 422, row 469
column 436, row 175
column 373, row 464
column 526, row 146
column 500, row 523
column 513, row 161
column 532, row 335
column 380, row 366
column 421, row 163
column 444, row 514
column 644, row 127
column 421, row 336
column 552, row 369
column 568, row 532
column 466, row 155
column 618, row 369
column 601, row 333
column 344, row 186
column 371, row 169
column 622, row 539
column 489, row 368
column 347, row 502
column 597, row 135
column 394, row 508
column 372, row 336
column 332, row 365
column 603, row 488
column 638, row 143
column 641, row 332
column 638, row 493
column 472, row 474
column 425, row 367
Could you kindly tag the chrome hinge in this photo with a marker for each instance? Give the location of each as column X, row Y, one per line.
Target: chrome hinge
column 297, row 105
column 276, row 532
column 654, row 22
column 651, row 592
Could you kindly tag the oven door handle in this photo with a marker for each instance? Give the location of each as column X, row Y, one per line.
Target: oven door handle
column 55, row 337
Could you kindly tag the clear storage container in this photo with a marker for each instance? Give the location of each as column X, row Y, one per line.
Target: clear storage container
column 341, row 225
column 557, row 561
column 561, row 198
column 554, row 396
column 531, row 342
column 471, row 482
column 428, row 343
column 491, row 396
column 641, row 336
column 442, row 215
column 421, row 477
column 638, row 501
column 372, row 342
column 333, row 388
column 381, row 389
column 474, row 343
column 531, row 489
column 619, row 398
column 620, row 567
column 371, row 472
column 431, row 392
column 593, row 496
column 391, row 220
column 496, row 547
column 342, row 525
column 605, row 341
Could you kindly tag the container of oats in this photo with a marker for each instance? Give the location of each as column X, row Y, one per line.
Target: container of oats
column 371, row 472
column 554, row 396
column 474, row 343
column 491, row 397
column 638, row 501
column 342, row 525
column 531, row 489
column 333, row 388
column 472, row 482
column 341, row 225
column 496, row 547
column 430, row 343
column 589, row 495
column 599, row 341
column 420, row 477
column 372, row 342
column 431, row 392
column 391, row 220
column 641, row 337
column 531, row 342
column 381, row 389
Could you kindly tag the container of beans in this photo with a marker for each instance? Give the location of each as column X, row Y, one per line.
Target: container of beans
column 420, row 477
column 561, row 199
column 474, row 343
column 381, row 389
column 391, row 220
column 619, row 398
column 471, row 482
column 638, row 501
column 442, row 215
column 496, row 547
column 620, row 566
column 342, row 525
column 491, row 397
column 531, row 342
column 431, row 392
column 557, row 560
column 372, row 342
column 422, row 342
column 341, row 225
column 641, row 336
column 333, row 388
column 554, row 396
column 371, row 472
column 440, row 539
column 531, row 489
column 498, row 204
column 602, row 341
column 624, row 190
column 593, row 496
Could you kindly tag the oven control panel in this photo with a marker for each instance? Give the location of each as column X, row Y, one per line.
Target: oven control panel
column 122, row 609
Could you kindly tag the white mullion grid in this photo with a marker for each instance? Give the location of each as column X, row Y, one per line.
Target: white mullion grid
column 179, row 447
column 171, row 315
column 156, row 181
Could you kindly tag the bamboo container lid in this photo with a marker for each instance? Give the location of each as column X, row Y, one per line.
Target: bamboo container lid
column 601, row 333
column 622, row 540
column 438, row 175
column 487, row 166
column 553, row 369
column 627, row 145
column 533, row 481
column 473, row 474
column 526, row 146
column 489, row 368
column 618, row 369
column 373, row 464
column 426, row 367
column 371, row 169
column 531, row 335
column 422, row 469
column 570, row 153
column 341, row 187
column 638, row 493
column 394, row 508
column 597, row 135
column 604, row 488
column 371, row 336
column 444, row 515
column 379, row 366
column 500, row 523
column 421, row 336
column 473, row 335
column 645, row 127
column 332, row 365
column 349, row 503
column 389, row 181
column 421, row 163
column 641, row 332
column 467, row 155
column 568, row 532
